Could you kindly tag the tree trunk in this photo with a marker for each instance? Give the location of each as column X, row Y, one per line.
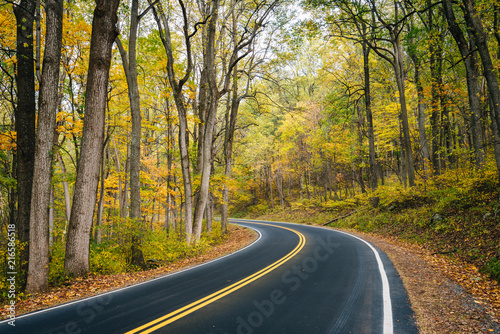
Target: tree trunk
column 496, row 140
column 100, row 204
column 400, row 80
column 25, row 126
column 421, row 112
column 130, row 68
column 475, row 25
column 38, row 269
column 435, row 112
column 67, row 196
column 473, row 20
column 210, row 212
column 368, row 110
column 211, row 113
column 104, row 32
column 231, row 115
column 51, row 218
column 177, row 85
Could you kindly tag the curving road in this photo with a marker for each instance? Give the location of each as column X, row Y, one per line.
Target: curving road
column 293, row 279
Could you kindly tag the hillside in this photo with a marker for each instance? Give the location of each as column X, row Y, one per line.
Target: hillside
column 442, row 235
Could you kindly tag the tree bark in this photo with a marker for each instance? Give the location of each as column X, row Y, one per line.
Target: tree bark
column 25, row 125
column 435, row 89
column 177, row 86
column 424, row 147
column 231, row 115
column 38, row 269
column 130, row 68
column 400, row 80
column 67, row 196
column 368, row 110
column 104, row 32
column 210, row 114
column 473, row 20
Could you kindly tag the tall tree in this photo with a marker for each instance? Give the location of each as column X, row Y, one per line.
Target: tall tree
column 395, row 57
column 473, row 87
column 130, row 68
column 25, row 124
column 474, row 23
column 38, row 270
column 179, row 99
column 104, row 32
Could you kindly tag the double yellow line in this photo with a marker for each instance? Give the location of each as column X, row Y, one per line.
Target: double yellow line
column 188, row 309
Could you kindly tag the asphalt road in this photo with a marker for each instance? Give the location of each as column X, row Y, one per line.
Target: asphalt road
column 293, row 279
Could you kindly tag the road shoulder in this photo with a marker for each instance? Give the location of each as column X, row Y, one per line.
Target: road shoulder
column 441, row 304
column 94, row 285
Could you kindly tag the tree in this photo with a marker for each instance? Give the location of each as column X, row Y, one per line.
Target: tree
column 179, row 99
column 211, row 89
column 38, row 270
column 25, row 124
column 473, row 87
column 474, row 23
column 130, row 68
column 104, row 32
column 396, row 58
column 356, row 17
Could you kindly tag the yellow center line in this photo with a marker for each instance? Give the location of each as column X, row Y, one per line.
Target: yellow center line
column 188, row 309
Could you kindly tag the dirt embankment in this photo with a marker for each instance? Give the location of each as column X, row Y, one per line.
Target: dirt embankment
column 447, row 296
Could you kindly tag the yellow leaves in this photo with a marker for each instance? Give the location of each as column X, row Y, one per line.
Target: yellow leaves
column 8, row 140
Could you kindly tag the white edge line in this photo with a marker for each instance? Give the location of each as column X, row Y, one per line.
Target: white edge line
column 388, row 322
column 133, row 285
column 386, row 295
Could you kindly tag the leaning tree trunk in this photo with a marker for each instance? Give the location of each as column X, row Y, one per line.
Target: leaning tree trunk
column 474, row 23
column 25, row 125
column 38, row 269
column 473, row 87
column 104, row 32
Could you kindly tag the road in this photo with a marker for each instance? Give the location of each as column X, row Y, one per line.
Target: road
column 293, row 279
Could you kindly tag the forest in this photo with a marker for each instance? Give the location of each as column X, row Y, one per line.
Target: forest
column 133, row 130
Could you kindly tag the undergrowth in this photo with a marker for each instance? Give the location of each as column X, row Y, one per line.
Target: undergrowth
column 457, row 213
column 112, row 254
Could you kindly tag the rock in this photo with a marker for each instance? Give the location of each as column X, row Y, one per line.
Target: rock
column 436, row 218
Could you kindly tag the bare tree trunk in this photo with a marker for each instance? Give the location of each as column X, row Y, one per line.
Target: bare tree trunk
column 400, row 80
column 38, row 267
column 211, row 113
column 424, row 147
column 100, row 205
column 51, row 218
column 177, row 85
column 25, row 126
column 209, row 212
column 124, row 199
column 130, row 68
column 67, row 196
column 496, row 139
column 368, row 110
column 473, row 20
column 104, row 32
column 270, row 183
